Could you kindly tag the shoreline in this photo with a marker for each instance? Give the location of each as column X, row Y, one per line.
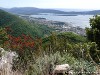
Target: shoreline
column 57, row 25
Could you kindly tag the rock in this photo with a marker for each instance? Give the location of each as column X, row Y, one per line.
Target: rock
column 62, row 69
column 6, row 61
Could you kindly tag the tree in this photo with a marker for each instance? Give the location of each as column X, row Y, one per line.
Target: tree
column 93, row 35
column 3, row 36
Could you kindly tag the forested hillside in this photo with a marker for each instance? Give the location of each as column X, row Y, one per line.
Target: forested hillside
column 19, row 26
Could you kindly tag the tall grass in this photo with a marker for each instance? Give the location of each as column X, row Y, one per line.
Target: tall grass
column 45, row 64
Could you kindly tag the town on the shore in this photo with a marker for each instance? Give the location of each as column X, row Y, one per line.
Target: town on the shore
column 57, row 25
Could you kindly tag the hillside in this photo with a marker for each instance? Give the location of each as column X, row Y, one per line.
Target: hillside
column 39, row 56
column 20, row 26
column 69, row 36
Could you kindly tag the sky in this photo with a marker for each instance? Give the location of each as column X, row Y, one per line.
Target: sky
column 68, row 4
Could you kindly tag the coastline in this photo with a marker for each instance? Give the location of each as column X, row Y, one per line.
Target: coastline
column 57, row 25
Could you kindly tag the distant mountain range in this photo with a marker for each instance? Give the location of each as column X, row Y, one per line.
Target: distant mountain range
column 33, row 10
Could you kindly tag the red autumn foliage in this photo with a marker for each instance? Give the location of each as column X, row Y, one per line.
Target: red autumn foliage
column 20, row 42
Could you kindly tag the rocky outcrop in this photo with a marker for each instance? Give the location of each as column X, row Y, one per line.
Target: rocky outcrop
column 6, row 61
column 62, row 69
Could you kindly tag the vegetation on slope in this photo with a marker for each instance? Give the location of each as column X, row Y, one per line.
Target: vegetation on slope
column 36, row 56
column 19, row 26
column 93, row 35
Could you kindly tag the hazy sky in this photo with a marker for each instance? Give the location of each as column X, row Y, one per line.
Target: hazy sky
column 74, row 4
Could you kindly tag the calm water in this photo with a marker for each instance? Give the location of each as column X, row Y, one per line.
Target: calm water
column 79, row 20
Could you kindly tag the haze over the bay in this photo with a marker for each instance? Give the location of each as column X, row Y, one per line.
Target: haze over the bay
column 68, row 4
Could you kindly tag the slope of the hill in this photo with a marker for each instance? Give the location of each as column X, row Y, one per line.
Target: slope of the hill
column 69, row 36
column 20, row 26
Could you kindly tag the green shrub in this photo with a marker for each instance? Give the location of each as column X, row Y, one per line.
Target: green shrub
column 46, row 63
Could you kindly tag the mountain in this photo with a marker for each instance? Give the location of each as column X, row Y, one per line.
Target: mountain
column 33, row 10
column 20, row 26
column 95, row 12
